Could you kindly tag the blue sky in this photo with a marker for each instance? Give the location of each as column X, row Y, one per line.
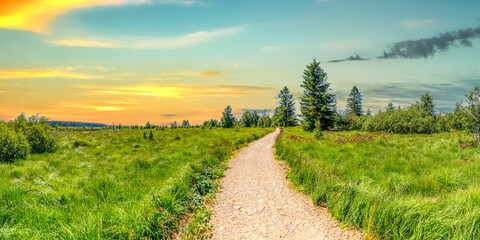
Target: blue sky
column 134, row 61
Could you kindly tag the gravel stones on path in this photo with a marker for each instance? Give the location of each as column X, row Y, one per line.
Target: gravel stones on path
column 256, row 202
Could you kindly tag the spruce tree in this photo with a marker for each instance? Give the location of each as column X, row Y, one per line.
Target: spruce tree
column 284, row 113
column 354, row 102
column 228, row 121
column 426, row 104
column 473, row 109
column 150, row 136
column 317, row 104
column 390, row 107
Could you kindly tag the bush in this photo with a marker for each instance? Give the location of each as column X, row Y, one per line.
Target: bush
column 411, row 120
column 40, row 138
column 12, row 145
column 37, row 131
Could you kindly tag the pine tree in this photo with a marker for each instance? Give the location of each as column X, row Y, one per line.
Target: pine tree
column 150, row 136
column 473, row 109
column 185, row 124
column 390, row 107
column 354, row 102
column 317, row 104
column 249, row 119
column 228, row 121
column 426, row 104
column 284, row 113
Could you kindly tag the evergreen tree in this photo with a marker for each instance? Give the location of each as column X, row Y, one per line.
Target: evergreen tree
column 185, row 124
column 368, row 113
column 150, row 136
column 354, row 102
column 317, row 104
column 473, row 109
column 284, row 113
column 390, row 107
column 249, row 119
column 228, row 121
column 144, row 135
column 426, row 104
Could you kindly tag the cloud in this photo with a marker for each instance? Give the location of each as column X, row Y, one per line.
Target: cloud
column 427, row 47
column 98, row 108
column 41, row 73
column 129, row 102
column 196, row 74
column 351, row 58
column 35, row 15
column 178, row 91
column 417, row 23
column 168, row 115
column 153, row 42
column 161, row 79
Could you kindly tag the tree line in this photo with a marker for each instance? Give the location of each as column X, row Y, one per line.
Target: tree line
column 318, row 111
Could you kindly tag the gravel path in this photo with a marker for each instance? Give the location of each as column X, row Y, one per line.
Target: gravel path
column 256, row 202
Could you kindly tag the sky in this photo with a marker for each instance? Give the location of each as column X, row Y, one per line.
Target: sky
column 133, row 61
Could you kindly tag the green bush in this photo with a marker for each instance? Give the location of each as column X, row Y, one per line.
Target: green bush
column 40, row 138
column 411, row 120
column 37, row 131
column 12, row 145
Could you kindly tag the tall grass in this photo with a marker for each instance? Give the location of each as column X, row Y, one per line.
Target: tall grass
column 116, row 184
column 391, row 186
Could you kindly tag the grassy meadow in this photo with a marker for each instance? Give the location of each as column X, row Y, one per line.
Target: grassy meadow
column 392, row 186
column 103, row 184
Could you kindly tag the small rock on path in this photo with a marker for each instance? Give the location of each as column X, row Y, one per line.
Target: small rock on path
column 256, row 202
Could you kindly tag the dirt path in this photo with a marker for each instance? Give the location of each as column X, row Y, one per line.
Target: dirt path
column 256, row 202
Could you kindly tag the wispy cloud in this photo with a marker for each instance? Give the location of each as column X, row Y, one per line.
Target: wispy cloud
column 417, row 23
column 98, row 108
column 356, row 57
column 161, row 79
column 427, row 47
column 178, row 91
column 41, row 73
column 153, row 42
column 196, row 74
column 36, row 15
column 168, row 115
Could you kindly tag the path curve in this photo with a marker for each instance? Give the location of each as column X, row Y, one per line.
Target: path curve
column 256, row 202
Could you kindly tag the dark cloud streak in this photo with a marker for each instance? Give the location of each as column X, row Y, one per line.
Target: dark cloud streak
column 427, row 47
column 351, row 58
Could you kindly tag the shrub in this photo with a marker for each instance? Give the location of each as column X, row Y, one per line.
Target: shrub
column 12, row 145
column 40, row 138
column 38, row 132
column 411, row 120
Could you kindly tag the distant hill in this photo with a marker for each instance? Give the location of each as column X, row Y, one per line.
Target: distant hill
column 76, row 124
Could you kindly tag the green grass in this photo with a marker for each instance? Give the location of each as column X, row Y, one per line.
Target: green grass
column 115, row 184
column 392, row 186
